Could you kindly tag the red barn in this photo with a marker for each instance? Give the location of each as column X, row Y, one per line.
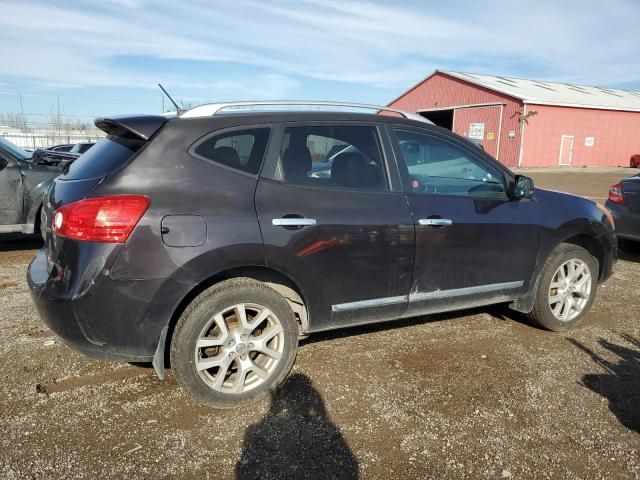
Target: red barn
column 529, row 123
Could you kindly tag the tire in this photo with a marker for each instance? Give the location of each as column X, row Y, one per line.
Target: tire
column 549, row 315
column 253, row 364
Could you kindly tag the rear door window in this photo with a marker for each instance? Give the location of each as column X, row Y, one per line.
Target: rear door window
column 239, row 149
column 106, row 156
column 340, row 156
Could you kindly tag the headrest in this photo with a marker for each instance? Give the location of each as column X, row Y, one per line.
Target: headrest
column 226, row 156
column 296, row 162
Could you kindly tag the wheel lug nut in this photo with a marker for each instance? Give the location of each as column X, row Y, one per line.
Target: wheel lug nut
column 232, row 354
column 232, row 343
column 250, row 344
column 243, row 356
column 243, row 337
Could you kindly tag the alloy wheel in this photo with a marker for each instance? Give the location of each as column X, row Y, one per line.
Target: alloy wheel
column 570, row 289
column 239, row 348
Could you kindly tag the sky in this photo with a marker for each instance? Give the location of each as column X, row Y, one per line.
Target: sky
column 106, row 57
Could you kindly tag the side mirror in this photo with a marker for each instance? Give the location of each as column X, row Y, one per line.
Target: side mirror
column 3, row 163
column 523, row 187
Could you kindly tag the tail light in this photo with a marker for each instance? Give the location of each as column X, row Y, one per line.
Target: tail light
column 108, row 219
column 615, row 194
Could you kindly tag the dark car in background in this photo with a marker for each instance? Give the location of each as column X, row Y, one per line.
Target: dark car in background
column 61, row 148
column 206, row 240
column 23, row 182
column 61, row 153
column 624, row 205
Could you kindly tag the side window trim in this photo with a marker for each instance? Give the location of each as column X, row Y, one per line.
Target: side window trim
column 404, row 170
column 224, row 131
column 393, row 182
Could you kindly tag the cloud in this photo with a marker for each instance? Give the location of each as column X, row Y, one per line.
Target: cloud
column 274, row 47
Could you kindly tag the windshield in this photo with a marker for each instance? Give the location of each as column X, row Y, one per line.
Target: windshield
column 14, row 150
column 81, row 147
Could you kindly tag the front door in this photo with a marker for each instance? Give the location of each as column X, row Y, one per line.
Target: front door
column 474, row 245
column 566, row 149
column 331, row 222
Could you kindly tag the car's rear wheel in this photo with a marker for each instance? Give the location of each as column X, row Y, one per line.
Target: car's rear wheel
column 235, row 343
column 566, row 289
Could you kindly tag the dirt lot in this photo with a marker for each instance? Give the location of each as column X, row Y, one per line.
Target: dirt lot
column 477, row 394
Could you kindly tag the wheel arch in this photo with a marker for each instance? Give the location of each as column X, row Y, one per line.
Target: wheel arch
column 589, row 242
column 592, row 245
column 277, row 280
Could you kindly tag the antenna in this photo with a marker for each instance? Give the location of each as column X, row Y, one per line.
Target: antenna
column 178, row 109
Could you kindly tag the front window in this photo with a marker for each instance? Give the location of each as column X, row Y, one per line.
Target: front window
column 440, row 167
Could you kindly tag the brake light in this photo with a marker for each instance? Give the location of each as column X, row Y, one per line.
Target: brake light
column 108, row 219
column 615, row 194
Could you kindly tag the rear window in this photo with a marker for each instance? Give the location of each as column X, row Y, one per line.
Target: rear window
column 103, row 158
column 240, row 149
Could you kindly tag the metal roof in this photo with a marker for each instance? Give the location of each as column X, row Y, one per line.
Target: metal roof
column 553, row 93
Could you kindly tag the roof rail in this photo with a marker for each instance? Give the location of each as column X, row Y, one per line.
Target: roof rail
column 216, row 108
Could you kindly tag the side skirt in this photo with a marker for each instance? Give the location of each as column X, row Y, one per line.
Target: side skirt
column 17, row 228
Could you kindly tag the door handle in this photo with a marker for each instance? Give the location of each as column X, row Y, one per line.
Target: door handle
column 435, row 222
column 293, row 222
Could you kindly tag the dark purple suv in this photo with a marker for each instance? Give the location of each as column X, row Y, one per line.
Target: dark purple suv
column 207, row 241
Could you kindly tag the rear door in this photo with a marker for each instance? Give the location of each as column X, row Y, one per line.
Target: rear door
column 474, row 245
column 342, row 232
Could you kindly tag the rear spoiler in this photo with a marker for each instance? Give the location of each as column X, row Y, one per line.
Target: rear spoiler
column 141, row 127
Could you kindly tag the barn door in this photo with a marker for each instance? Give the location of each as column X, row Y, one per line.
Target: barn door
column 566, row 149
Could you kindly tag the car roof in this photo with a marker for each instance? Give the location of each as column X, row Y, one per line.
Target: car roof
column 304, row 116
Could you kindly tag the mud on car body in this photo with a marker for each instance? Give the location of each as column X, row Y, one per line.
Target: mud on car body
column 205, row 241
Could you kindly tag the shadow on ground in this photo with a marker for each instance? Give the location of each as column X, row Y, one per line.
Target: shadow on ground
column 620, row 383
column 629, row 251
column 296, row 439
column 13, row 242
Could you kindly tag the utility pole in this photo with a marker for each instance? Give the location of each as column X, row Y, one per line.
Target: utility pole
column 22, row 112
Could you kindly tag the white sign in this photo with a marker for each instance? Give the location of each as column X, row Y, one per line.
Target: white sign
column 589, row 141
column 476, row 131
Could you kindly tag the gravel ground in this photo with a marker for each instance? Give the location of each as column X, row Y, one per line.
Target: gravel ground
column 474, row 394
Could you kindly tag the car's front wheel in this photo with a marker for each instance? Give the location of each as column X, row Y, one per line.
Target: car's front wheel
column 235, row 343
column 566, row 289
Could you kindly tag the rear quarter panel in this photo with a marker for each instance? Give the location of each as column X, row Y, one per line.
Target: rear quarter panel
column 179, row 184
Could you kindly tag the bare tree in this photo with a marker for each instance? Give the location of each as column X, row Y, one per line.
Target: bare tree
column 56, row 119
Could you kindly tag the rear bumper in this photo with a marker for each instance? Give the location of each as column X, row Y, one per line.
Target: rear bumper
column 118, row 320
column 627, row 222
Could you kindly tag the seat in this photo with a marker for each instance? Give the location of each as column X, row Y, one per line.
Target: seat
column 296, row 163
column 340, row 169
column 226, row 156
column 353, row 170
